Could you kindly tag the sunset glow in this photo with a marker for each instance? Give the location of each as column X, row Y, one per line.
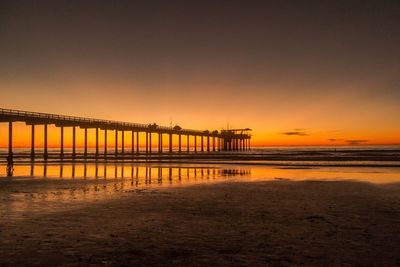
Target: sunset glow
column 333, row 87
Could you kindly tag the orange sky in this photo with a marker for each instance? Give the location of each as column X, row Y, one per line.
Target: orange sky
column 322, row 74
column 272, row 124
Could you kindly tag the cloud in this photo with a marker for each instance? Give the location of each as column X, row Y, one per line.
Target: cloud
column 295, row 132
column 356, row 141
column 349, row 141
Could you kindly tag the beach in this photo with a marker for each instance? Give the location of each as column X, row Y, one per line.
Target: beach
column 280, row 222
column 199, row 133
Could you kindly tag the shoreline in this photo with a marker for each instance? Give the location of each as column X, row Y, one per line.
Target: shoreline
column 327, row 159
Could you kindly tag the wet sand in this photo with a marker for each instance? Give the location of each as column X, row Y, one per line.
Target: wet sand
column 273, row 223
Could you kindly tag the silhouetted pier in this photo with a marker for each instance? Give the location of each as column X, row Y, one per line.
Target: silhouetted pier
column 210, row 141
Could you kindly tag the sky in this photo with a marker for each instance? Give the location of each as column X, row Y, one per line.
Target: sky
column 296, row 72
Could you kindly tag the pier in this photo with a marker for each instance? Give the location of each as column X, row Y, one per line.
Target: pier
column 210, row 141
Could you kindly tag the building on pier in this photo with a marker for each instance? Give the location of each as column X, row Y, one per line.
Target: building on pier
column 236, row 139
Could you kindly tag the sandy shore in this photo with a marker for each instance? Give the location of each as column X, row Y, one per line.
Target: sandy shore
column 277, row 223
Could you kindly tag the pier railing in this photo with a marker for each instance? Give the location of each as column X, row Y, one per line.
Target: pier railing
column 235, row 139
column 84, row 121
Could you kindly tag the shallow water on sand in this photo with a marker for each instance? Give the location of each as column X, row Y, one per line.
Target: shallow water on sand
column 176, row 173
column 46, row 188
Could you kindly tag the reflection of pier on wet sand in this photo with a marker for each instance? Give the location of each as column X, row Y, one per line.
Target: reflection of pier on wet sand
column 57, row 184
column 124, row 171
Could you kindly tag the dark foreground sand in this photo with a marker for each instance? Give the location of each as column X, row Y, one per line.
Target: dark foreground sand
column 278, row 223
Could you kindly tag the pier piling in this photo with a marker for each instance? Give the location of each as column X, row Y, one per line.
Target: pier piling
column 224, row 140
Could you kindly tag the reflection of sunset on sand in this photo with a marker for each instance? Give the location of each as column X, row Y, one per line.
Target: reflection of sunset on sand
column 189, row 172
column 66, row 184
